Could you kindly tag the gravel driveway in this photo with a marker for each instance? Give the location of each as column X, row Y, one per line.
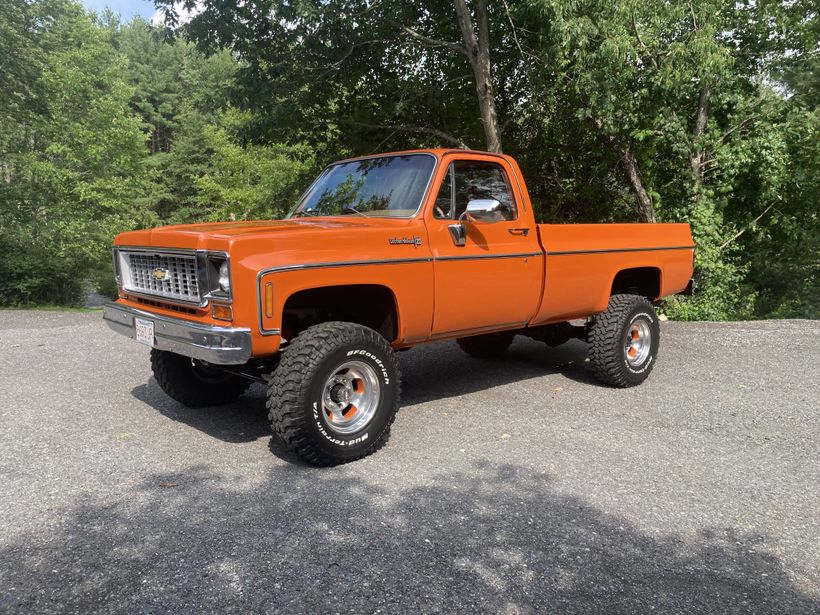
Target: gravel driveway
column 510, row 486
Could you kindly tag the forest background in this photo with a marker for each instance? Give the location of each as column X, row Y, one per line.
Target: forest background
column 702, row 111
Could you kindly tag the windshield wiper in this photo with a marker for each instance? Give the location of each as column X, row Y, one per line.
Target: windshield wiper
column 308, row 212
column 353, row 210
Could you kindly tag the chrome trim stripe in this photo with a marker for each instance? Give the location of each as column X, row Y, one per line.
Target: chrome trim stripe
column 472, row 257
column 392, row 261
column 612, row 250
column 301, row 266
column 218, row 345
column 331, row 264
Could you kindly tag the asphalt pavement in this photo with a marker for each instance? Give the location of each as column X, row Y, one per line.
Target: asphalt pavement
column 517, row 485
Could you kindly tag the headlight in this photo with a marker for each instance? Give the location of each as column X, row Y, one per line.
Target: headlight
column 216, row 275
column 224, row 277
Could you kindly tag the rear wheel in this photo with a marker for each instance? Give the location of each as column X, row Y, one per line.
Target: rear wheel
column 335, row 393
column 624, row 341
column 193, row 383
column 488, row 345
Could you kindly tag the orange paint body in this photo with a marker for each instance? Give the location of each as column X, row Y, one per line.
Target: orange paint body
column 507, row 275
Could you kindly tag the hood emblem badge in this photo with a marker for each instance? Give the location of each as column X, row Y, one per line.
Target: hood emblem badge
column 398, row 241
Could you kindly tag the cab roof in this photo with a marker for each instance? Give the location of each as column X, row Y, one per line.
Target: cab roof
column 437, row 152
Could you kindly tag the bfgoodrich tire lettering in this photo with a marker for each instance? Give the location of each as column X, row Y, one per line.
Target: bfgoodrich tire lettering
column 624, row 341
column 308, row 393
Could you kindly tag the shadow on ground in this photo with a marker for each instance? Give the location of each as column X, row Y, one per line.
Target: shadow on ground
column 429, row 373
column 245, row 420
column 319, row 541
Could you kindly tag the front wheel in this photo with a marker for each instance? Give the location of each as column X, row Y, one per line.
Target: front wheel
column 335, row 393
column 193, row 383
column 624, row 340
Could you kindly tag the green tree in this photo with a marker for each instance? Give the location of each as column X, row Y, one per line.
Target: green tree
column 71, row 154
column 252, row 182
column 686, row 95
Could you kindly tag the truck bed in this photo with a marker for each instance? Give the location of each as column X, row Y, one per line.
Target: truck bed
column 582, row 261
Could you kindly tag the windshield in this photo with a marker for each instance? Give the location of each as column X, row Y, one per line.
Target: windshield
column 387, row 186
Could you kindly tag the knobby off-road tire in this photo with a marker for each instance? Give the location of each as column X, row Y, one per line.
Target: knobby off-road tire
column 193, row 383
column 488, row 345
column 624, row 340
column 335, row 393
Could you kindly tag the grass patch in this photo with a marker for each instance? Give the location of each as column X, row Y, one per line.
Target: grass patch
column 48, row 308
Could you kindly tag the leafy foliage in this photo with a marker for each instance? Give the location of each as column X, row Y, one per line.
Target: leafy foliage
column 107, row 127
column 71, row 149
column 704, row 112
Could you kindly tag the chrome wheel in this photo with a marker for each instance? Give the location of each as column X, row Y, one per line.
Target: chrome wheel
column 638, row 342
column 351, row 397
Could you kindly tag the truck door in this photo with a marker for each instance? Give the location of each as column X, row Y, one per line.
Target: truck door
column 488, row 265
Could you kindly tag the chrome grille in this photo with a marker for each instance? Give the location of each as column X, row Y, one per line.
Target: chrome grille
column 142, row 274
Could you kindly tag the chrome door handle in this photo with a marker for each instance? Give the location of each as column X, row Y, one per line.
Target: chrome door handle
column 519, row 231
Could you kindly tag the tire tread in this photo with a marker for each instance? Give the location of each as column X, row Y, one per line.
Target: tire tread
column 605, row 353
column 172, row 373
column 287, row 387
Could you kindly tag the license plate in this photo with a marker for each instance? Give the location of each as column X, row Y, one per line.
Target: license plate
column 144, row 330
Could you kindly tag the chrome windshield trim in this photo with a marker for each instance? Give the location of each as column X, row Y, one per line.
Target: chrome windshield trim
column 612, row 250
column 217, row 345
column 424, row 195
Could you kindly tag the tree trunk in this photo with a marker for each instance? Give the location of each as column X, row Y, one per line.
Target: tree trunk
column 646, row 213
column 698, row 154
column 478, row 52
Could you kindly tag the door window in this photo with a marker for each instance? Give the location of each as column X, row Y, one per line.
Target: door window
column 443, row 209
column 482, row 180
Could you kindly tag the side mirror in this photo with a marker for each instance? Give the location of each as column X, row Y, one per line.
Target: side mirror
column 479, row 209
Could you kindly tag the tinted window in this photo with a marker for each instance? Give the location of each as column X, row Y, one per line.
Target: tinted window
column 444, row 201
column 381, row 186
column 482, row 180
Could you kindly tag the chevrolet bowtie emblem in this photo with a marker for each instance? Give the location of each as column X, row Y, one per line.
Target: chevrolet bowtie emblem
column 160, row 274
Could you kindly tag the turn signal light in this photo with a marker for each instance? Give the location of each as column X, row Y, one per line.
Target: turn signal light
column 269, row 300
column 221, row 312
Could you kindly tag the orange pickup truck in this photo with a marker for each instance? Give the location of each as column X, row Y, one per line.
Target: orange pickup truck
column 382, row 253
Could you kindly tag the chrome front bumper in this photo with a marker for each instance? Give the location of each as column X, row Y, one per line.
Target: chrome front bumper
column 217, row 345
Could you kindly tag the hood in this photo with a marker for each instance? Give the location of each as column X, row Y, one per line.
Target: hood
column 220, row 235
column 298, row 239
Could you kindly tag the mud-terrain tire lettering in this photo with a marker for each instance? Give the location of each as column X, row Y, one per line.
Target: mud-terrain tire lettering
column 297, row 385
